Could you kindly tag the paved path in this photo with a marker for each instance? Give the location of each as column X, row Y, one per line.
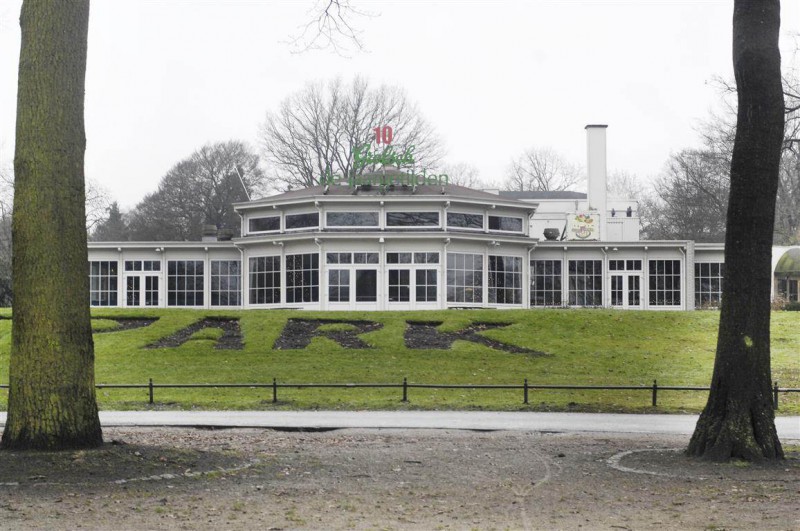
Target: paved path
column 788, row 427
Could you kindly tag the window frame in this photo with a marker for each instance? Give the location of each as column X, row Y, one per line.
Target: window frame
column 573, row 291
column 674, row 278
column 313, row 286
column 455, row 272
column 218, row 277
column 413, row 227
column 271, row 231
column 496, row 279
column 109, row 293
column 173, row 292
column 471, row 229
column 556, row 280
column 287, row 215
column 256, row 273
column 377, row 224
column 520, row 218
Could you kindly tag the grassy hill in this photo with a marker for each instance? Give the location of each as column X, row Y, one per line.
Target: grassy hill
column 582, row 347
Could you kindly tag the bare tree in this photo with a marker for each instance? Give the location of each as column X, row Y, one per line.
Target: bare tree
column 464, row 174
column 738, row 420
column 98, row 201
column 332, row 25
column 625, row 185
column 542, row 169
column 317, row 131
column 691, row 198
column 197, row 191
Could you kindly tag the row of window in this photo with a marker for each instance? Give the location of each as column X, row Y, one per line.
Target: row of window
column 371, row 219
column 464, row 280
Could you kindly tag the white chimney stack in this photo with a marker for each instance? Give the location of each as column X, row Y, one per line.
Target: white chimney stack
column 596, row 168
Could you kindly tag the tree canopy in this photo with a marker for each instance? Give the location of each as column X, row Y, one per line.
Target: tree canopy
column 544, row 170
column 199, row 190
column 318, row 129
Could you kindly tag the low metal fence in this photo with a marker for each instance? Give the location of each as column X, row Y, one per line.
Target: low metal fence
column 405, row 386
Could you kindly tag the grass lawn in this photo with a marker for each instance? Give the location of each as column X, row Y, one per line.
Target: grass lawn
column 584, row 347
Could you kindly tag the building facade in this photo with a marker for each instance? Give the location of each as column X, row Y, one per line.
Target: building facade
column 381, row 245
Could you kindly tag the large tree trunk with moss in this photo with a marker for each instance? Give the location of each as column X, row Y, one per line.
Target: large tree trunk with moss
column 51, row 403
column 738, row 420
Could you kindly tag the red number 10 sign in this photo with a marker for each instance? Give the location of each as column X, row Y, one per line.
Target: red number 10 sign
column 383, row 135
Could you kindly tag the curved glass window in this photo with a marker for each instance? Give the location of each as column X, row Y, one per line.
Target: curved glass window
column 464, row 221
column 271, row 223
column 302, row 221
column 505, row 223
column 352, row 219
column 412, row 219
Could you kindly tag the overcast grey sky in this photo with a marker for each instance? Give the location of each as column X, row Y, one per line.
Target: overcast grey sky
column 494, row 78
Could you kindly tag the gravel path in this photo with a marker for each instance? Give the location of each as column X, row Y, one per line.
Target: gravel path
column 175, row 478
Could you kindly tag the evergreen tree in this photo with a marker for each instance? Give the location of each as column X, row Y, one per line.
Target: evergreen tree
column 112, row 229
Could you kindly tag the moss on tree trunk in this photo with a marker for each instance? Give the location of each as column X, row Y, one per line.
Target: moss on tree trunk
column 738, row 420
column 51, row 401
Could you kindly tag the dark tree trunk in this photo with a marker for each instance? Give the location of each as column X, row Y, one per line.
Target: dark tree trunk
column 738, row 420
column 51, row 403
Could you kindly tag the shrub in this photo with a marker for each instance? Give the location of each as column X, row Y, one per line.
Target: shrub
column 792, row 307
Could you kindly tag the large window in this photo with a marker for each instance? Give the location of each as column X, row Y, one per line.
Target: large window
column 185, row 283
column 352, row 219
column 505, row 279
column 412, row 219
column 226, row 282
column 505, row 223
column 103, row 283
column 585, row 282
column 545, row 282
column 266, row 224
column 708, row 284
column 265, row 280
column 465, row 278
column 302, row 278
column 665, row 282
column 458, row 220
column 302, row 221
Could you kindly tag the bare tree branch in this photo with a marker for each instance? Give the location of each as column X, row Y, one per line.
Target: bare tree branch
column 331, row 26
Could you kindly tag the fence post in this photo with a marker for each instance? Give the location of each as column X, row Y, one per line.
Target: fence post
column 525, row 388
column 405, row 389
column 274, row 390
column 775, row 396
column 150, row 387
column 655, row 393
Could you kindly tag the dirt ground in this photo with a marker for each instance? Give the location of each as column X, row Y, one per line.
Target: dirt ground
column 391, row 479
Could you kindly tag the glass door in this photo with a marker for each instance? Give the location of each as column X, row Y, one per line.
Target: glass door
column 150, row 290
column 366, row 285
column 626, row 291
column 339, row 288
column 133, row 291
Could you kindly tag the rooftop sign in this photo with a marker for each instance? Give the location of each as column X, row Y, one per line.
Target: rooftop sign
column 363, row 156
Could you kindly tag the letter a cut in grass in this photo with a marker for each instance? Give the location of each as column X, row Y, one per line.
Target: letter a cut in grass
column 51, row 375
